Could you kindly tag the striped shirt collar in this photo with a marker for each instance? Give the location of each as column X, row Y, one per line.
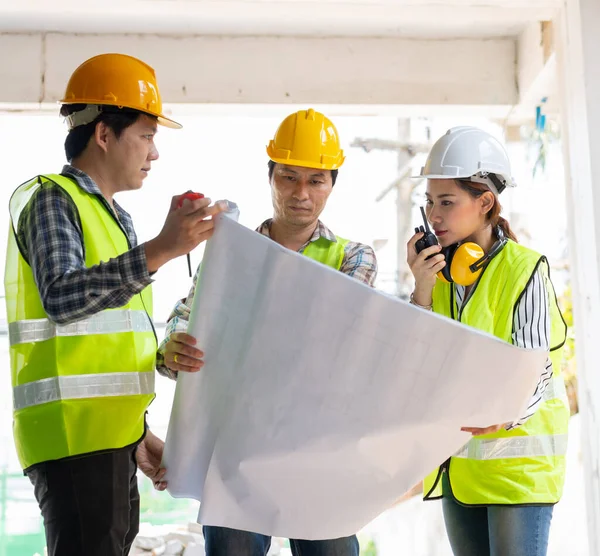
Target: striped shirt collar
column 321, row 231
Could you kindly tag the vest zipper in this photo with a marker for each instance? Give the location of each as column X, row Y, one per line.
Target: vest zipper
column 444, row 468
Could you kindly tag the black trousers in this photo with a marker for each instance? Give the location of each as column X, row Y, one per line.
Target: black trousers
column 90, row 504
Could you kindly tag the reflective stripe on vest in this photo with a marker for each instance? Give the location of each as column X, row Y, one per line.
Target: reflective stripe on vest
column 521, row 446
column 107, row 322
column 555, row 389
column 514, row 447
column 82, row 386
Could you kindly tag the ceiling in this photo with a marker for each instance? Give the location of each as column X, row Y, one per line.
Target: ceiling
column 365, row 18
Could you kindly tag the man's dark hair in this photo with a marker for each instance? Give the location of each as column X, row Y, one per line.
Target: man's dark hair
column 118, row 120
column 334, row 173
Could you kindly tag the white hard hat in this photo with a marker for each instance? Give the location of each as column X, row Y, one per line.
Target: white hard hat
column 469, row 153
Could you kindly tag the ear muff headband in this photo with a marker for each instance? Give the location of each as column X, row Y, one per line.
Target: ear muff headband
column 496, row 248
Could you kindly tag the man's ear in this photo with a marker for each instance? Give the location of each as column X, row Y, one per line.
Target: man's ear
column 101, row 135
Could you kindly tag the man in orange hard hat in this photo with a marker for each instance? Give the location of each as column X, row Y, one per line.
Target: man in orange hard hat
column 304, row 159
column 79, row 306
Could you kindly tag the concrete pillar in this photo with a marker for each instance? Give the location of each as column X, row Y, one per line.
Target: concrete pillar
column 579, row 77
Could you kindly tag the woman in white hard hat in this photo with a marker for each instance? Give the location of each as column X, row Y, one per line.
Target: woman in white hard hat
column 498, row 491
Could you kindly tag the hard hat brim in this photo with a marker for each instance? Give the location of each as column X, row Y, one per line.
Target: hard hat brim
column 437, row 177
column 509, row 182
column 307, row 163
column 161, row 118
column 167, row 122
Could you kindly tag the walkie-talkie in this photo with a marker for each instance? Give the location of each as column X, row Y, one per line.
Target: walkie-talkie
column 428, row 239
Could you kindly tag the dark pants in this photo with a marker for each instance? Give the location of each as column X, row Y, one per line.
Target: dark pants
column 90, row 504
column 496, row 530
column 221, row 541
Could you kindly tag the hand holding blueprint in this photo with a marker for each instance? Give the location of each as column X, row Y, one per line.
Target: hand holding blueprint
column 322, row 400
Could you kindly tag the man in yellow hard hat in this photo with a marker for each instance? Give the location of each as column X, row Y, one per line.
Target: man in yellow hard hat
column 304, row 158
column 79, row 305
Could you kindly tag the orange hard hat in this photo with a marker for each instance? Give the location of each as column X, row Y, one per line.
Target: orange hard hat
column 116, row 80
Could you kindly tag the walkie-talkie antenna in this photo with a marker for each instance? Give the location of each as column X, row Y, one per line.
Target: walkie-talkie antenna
column 427, row 229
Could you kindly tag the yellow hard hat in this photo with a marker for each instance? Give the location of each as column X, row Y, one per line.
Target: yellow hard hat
column 307, row 138
column 117, row 80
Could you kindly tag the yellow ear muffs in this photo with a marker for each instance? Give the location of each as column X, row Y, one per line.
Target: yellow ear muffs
column 440, row 276
column 459, row 259
column 466, row 261
column 466, row 255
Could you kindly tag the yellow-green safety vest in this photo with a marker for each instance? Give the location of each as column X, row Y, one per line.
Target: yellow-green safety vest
column 81, row 387
column 329, row 253
column 525, row 465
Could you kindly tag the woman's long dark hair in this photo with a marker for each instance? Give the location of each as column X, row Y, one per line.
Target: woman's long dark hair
column 476, row 190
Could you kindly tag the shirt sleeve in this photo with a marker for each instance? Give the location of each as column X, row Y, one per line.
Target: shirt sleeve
column 531, row 330
column 51, row 240
column 177, row 322
column 360, row 263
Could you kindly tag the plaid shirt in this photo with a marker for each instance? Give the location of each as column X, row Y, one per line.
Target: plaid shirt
column 51, row 241
column 359, row 262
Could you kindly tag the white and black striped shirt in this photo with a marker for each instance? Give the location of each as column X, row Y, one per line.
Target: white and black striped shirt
column 531, row 329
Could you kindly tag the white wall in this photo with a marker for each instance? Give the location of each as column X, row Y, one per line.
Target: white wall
column 285, row 70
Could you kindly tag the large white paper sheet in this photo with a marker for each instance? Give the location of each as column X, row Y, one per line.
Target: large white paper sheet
column 322, row 400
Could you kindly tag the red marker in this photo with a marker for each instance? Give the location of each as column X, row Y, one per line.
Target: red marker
column 191, row 196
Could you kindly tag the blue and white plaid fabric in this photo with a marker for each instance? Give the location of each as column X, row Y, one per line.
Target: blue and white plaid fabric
column 51, row 241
